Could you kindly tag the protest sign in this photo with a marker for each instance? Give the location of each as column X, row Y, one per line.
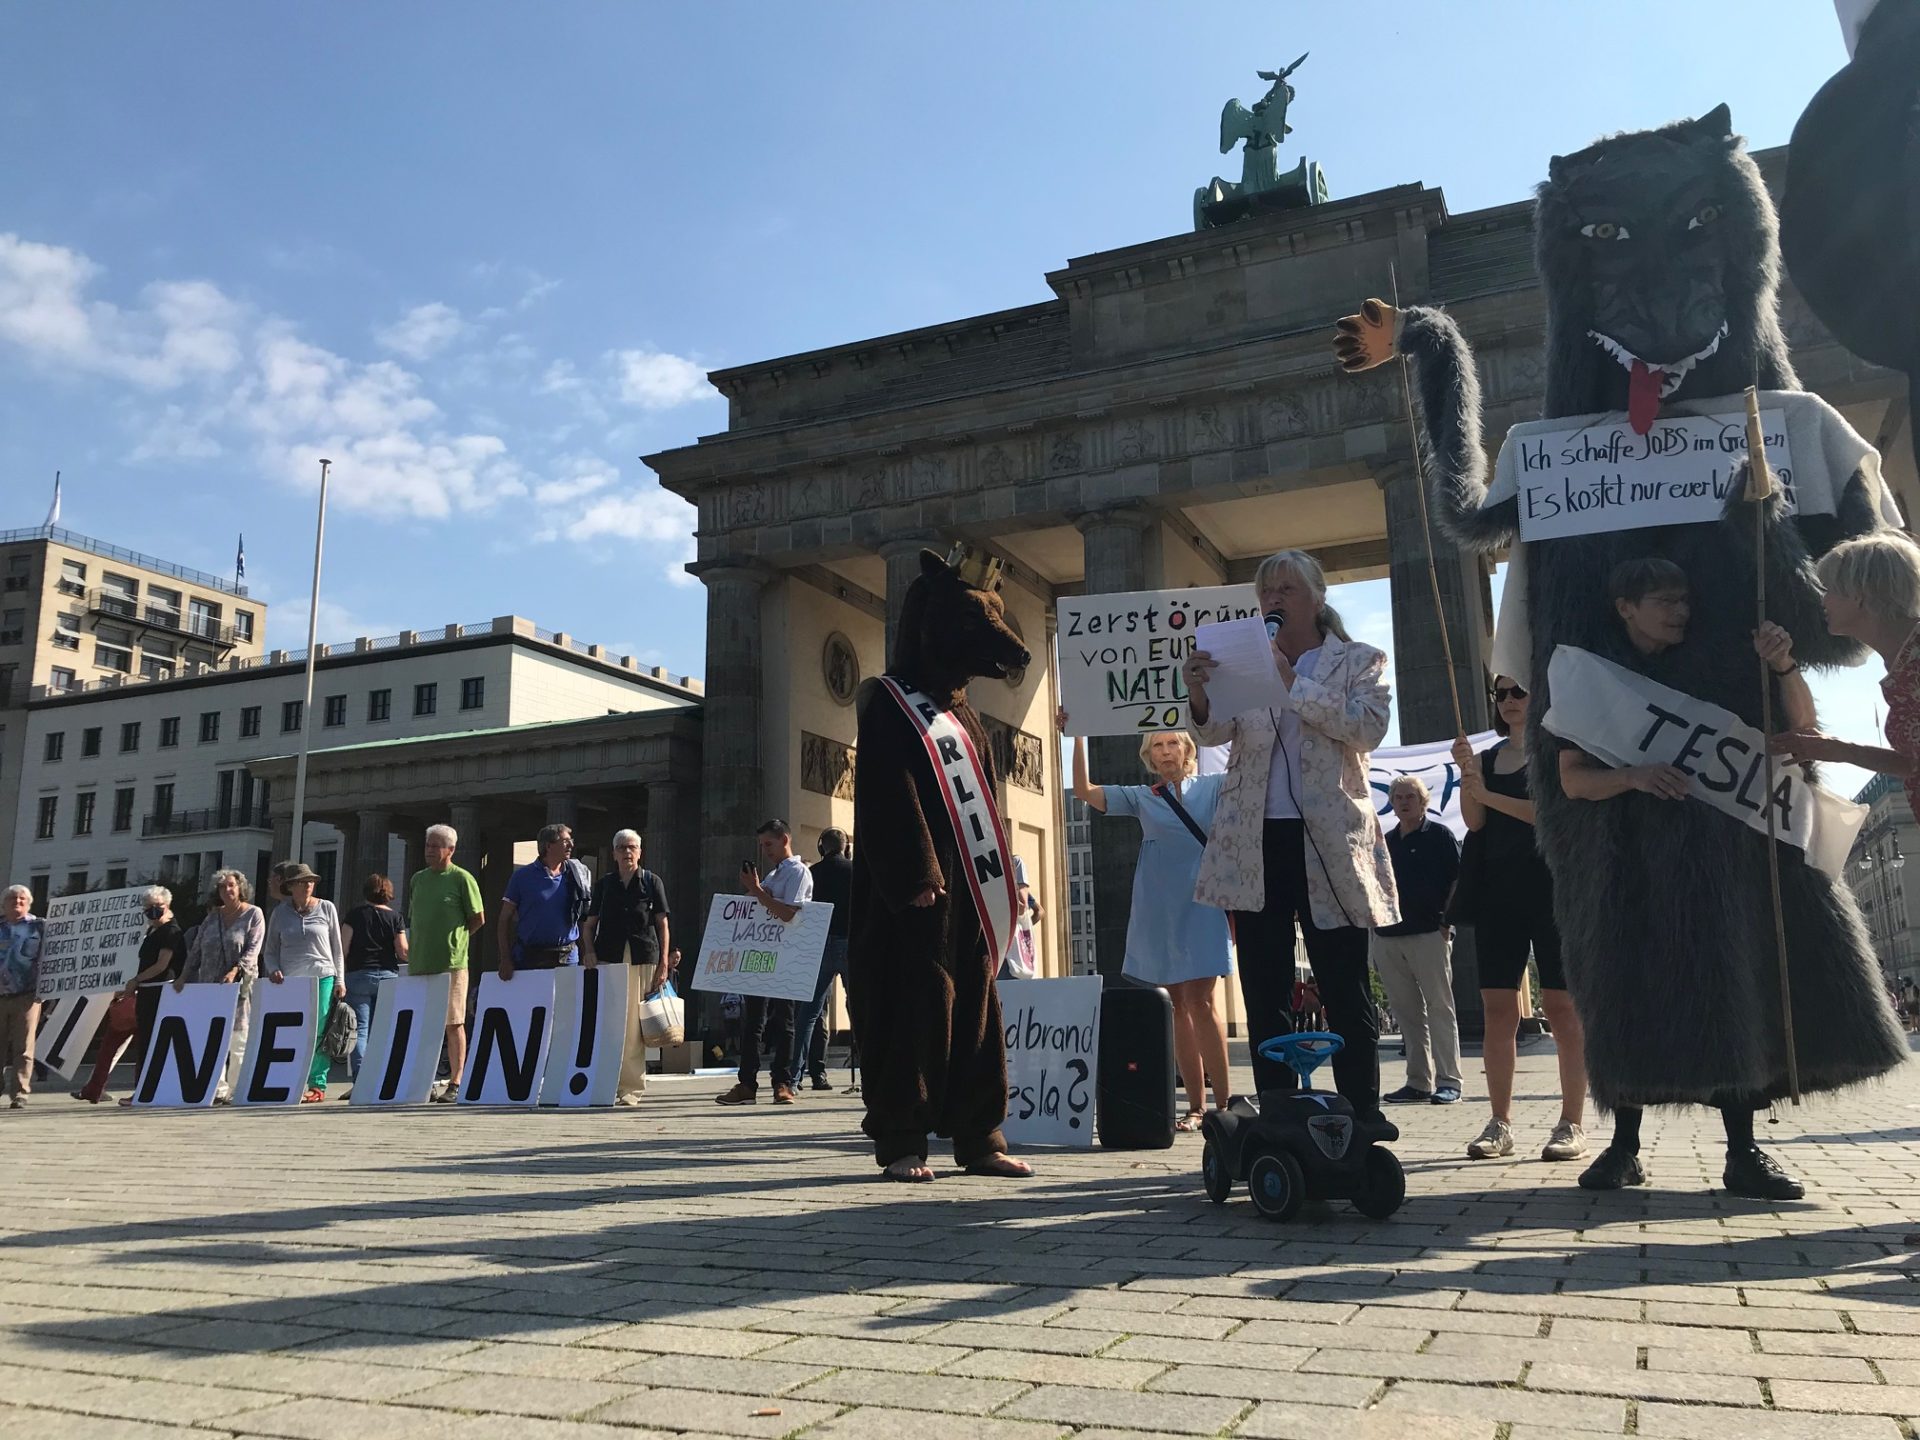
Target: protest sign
column 1433, row 765
column 1601, row 476
column 589, row 1035
column 746, row 951
column 92, row 942
column 512, row 1027
column 188, row 1050
column 403, row 1042
column 1119, row 655
column 67, row 1026
column 1624, row 718
column 1053, row 1059
column 280, row 1038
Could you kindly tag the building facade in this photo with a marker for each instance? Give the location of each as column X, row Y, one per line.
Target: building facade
column 77, row 611
column 1876, row 871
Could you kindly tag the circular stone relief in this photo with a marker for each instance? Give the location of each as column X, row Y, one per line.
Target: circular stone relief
column 840, row 668
column 1015, row 678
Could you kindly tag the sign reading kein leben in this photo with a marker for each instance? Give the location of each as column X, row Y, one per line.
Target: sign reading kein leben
column 748, row 951
column 92, row 942
column 1601, row 476
column 1120, row 655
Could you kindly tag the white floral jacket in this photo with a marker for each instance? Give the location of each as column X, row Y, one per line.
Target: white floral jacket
column 1343, row 715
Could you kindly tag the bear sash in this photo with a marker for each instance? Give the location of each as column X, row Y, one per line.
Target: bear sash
column 976, row 820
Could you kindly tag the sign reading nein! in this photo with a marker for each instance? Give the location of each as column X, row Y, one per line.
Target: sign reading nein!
column 1120, row 654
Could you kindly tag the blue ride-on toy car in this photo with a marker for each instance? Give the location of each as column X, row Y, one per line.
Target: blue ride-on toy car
column 1304, row 1144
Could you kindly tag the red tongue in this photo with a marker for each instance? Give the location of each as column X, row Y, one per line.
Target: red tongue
column 1643, row 396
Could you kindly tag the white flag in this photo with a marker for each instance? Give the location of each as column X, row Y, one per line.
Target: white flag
column 53, row 510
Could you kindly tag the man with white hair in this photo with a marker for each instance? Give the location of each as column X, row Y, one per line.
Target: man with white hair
column 443, row 911
column 627, row 921
column 1412, row 957
column 21, row 933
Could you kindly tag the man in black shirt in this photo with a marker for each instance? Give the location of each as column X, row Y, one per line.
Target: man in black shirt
column 627, row 918
column 1412, row 957
column 832, row 882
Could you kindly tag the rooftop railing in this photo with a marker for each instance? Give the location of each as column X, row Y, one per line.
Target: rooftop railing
column 117, row 552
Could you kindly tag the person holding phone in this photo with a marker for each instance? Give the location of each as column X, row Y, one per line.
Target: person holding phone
column 788, row 885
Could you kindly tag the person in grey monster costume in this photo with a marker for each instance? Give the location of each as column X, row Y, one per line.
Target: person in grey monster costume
column 1664, row 242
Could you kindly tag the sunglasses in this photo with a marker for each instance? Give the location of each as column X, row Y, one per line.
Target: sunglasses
column 1503, row 693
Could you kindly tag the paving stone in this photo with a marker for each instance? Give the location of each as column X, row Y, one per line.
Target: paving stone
column 1253, row 1384
column 1118, row 1374
column 31, row 1424
column 155, row 1400
column 1599, row 1354
column 665, row 1339
column 528, row 1427
column 1572, row 1412
column 1140, row 1322
column 877, row 1423
column 864, row 1354
column 1487, row 1369
column 1718, row 1422
column 1208, row 1352
column 979, row 1334
column 1646, row 1384
column 955, row 1393
column 699, row 1372
column 347, row 1420
column 1845, row 1369
column 519, row 1394
column 555, row 1362
column 1314, row 1422
column 1847, row 1399
column 715, row 1413
column 1129, row 1410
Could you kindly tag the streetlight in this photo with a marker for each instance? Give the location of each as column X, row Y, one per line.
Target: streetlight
column 306, row 705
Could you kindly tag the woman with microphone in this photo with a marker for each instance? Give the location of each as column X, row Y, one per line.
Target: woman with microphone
column 1295, row 836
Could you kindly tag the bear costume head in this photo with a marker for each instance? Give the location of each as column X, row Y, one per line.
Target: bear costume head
column 951, row 631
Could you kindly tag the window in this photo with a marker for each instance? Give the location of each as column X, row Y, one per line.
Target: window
column 117, row 878
column 243, row 624
column 118, row 594
column 76, row 883
column 90, row 741
column 66, row 631
column 379, row 704
column 59, row 678
column 83, row 813
column 73, row 578
column 289, row 716
column 38, row 884
column 169, row 732
column 113, row 657
column 203, row 619
column 129, row 737
column 163, row 607
column 163, row 801
column 153, row 669
column 426, row 699
column 209, row 726
column 123, row 810
column 336, row 711
column 56, row 746
column 473, row 692
column 249, row 721
column 13, row 626
column 8, row 674
column 49, row 813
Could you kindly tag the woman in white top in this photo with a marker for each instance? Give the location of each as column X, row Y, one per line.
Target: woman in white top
column 304, row 941
column 223, row 948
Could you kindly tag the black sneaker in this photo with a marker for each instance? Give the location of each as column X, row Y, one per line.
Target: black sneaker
column 1613, row 1169
column 1755, row 1174
column 1407, row 1095
column 820, row 1082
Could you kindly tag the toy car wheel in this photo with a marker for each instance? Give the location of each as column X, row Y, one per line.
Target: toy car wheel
column 1215, row 1174
column 1386, row 1186
column 1276, row 1186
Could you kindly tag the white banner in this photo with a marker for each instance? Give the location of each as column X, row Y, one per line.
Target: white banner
column 1119, row 655
column 589, row 1035
column 1626, row 719
column 746, row 951
column 1433, row 765
column 67, row 1026
column 187, row 1052
column 512, row 1028
column 280, row 1039
column 92, row 942
column 403, row 1041
column 1053, row 1059
column 1602, row 476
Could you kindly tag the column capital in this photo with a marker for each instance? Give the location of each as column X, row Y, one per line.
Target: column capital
column 1125, row 517
column 730, row 571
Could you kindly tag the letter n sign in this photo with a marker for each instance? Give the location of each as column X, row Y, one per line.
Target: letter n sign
column 512, row 1030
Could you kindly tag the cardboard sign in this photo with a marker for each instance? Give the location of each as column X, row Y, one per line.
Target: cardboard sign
column 67, row 1027
column 1604, row 477
column 280, row 1039
column 1624, row 718
column 92, row 942
column 403, row 1041
column 1119, row 655
column 1053, row 1059
column 589, row 1035
column 1433, row 765
column 512, row 1028
column 187, row 1053
column 746, row 951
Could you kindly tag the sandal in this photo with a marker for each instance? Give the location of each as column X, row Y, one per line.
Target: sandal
column 1188, row 1123
column 910, row 1170
column 313, row 1096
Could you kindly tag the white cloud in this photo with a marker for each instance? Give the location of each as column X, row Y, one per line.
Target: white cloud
column 560, row 379
column 589, row 477
column 655, row 380
column 648, row 515
column 175, row 435
column 423, row 332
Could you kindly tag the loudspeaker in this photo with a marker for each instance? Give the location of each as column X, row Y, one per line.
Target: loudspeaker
column 1136, row 1092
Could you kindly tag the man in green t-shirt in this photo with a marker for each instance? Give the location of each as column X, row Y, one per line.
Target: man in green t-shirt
column 443, row 909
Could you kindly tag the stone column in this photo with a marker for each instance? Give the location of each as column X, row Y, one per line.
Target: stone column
column 1115, row 543
column 370, row 855
column 495, row 868
column 669, row 852
column 732, row 791
column 413, row 840
column 464, row 816
column 902, row 555
column 346, row 884
column 563, row 808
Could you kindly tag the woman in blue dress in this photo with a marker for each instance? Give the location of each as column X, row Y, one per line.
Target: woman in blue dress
column 1172, row 939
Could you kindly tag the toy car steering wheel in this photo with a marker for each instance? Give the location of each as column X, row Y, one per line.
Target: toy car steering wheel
column 1303, row 1052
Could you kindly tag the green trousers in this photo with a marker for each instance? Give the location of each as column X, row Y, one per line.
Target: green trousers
column 322, row 1062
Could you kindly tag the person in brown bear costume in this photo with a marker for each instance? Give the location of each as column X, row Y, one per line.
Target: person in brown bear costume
column 931, row 856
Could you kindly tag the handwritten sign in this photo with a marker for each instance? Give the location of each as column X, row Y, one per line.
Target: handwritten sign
column 746, row 951
column 1604, row 477
column 92, row 942
column 403, row 1042
column 1624, row 718
column 589, row 1035
column 1120, row 654
column 1433, row 765
column 1053, row 1059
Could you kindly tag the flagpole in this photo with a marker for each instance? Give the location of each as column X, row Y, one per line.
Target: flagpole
column 306, row 706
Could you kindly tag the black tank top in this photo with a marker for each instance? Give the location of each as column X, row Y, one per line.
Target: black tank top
column 1511, row 853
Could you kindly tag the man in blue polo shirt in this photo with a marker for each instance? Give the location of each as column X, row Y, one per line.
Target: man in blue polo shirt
column 540, row 913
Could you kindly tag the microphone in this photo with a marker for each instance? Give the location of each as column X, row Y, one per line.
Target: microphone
column 1276, row 620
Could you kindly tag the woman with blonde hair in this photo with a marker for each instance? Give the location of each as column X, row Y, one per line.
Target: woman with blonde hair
column 1295, row 835
column 223, row 948
column 1172, row 940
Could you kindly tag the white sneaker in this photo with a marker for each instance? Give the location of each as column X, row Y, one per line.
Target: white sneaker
column 628, row 1097
column 1494, row 1141
column 1568, row 1142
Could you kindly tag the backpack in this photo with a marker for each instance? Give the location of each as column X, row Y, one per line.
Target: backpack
column 343, row 1028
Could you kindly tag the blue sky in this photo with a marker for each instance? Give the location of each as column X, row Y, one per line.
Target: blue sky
column 480, row 253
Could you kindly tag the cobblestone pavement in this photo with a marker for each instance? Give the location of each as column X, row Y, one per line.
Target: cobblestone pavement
column 683, row 1268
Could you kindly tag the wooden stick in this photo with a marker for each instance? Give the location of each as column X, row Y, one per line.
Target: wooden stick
column 1759, row 491
column 1426, row 527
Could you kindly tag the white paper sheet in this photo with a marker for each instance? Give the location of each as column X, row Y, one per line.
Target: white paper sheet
column 1244, row 677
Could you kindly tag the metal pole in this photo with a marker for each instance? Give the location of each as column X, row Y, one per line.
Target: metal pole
column 306, row 706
